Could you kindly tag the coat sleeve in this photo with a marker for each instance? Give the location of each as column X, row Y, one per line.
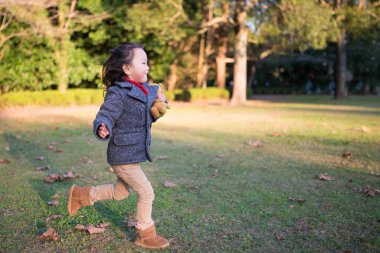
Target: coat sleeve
column 109, row 112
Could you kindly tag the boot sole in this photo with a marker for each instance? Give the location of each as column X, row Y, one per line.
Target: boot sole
column 149, row 247
column 70, row 196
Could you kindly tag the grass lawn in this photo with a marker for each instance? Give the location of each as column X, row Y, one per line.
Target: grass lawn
column 230, row 196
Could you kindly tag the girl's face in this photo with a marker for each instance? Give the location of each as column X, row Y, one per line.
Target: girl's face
column 138, row 69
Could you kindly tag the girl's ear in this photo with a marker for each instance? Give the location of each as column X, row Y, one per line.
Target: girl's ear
column 126, row 69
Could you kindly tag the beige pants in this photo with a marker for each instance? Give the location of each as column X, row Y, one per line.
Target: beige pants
column 130, row 175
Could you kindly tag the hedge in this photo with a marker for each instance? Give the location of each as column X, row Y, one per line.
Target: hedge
column 194, row 94
column 52, row 97
column 95, row 96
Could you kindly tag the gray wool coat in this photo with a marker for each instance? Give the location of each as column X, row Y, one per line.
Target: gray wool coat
column 126, row 113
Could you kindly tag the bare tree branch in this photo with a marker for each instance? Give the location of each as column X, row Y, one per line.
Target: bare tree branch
column 6, row 20
column 216, row 21
column 70, row 15
column 4, row 39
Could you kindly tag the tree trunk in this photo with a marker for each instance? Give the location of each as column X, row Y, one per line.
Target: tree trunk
column 62, row 78
column 222, row 50
column 221, row 64
column 173, row 76
column 361, row 4
column 340, row 67
column 62, row 60
column 205, row 50
column 239, row 94
column 201, row 60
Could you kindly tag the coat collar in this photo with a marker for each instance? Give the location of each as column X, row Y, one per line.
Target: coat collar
column 134, row 91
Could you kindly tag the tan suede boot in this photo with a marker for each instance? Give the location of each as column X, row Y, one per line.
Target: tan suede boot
column 148, row 238
column 78, row 197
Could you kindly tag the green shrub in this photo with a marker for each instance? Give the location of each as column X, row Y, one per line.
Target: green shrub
column 209, row 93
column 202, row 94
column 95, row 96
column 52, row 98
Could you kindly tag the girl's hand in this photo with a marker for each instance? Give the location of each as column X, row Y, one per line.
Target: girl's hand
column 103, row 131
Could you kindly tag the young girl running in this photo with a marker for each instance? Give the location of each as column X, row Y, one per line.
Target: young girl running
column 124, row 120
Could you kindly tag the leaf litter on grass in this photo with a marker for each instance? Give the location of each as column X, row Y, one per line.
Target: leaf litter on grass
column 326, row 177
column 50, row 234
column 255, row 144
column 51, row 178
column 93, row 229
column 169, row 184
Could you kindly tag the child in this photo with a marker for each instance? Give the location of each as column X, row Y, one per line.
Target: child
column 124, row 120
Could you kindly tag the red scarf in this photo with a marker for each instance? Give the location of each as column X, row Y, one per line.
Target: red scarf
column 139, row 85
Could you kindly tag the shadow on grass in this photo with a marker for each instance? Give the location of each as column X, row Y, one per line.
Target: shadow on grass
column 29, row 151
column 260, row 190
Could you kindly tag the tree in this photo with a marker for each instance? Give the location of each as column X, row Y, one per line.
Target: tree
column 348, row 14
column 49, row 26
column 167, row 37
column 239, row 94
column 276, row 27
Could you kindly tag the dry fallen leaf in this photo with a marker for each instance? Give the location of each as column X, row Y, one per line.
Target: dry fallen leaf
column 295, row 199
column 220, row 156
column 80, row 227
column 292, row 206
column 42, row 168
column 51, row 147
column 85, row 160
column 103, row 225
column 50, row 234
column 55, row 196
column 110, row 170
column 7, row 148
column 214, row 173
column 40, row 158
column 53, row 202
column 169, row 184
column 369, row 191
column 52, row 178
column 70, row 175
column 255, row 144
column 213, row 165
column 326, row 177
column 4, row 161
column 131, row 222
column 347, row 155
column 157, row 158
column 279, row 237
column 94, row 230
column 52, row 217
column 58, row 177
column 276, row 134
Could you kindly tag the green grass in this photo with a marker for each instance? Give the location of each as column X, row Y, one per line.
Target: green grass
column 238, row 203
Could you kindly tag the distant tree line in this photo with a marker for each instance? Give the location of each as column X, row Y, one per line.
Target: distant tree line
column 48, row 44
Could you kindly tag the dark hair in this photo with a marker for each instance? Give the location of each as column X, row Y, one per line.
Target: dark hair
column 113, row 68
